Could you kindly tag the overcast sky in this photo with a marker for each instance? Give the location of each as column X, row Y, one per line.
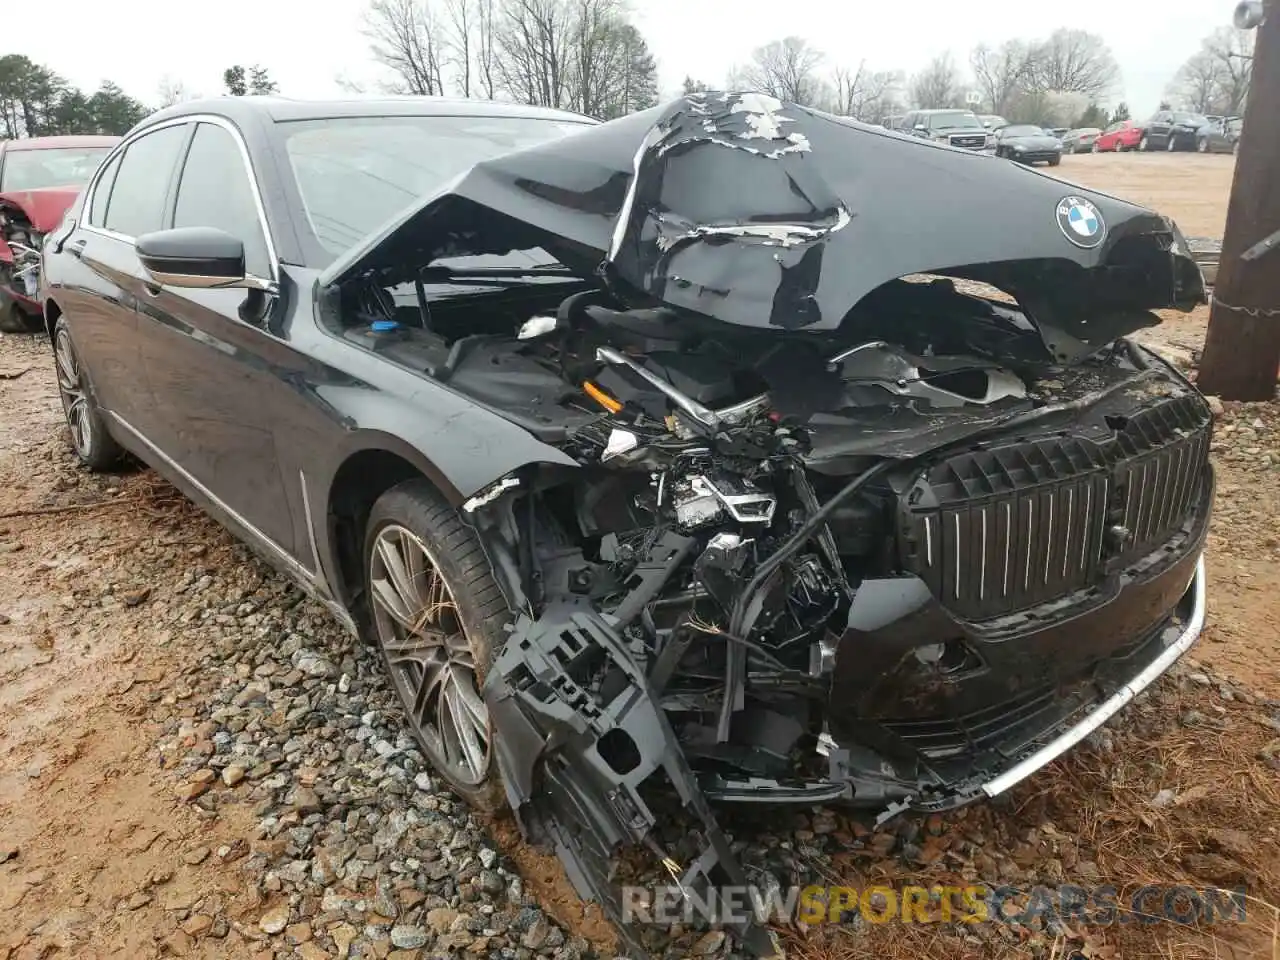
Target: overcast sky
column 307, row 45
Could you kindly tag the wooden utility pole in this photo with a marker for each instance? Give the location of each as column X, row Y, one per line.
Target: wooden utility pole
column 1242, row 349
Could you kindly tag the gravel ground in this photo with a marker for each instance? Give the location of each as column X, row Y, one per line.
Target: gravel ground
column 195, row 761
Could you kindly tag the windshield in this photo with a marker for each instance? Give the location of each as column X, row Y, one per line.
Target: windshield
column 60, row 167
column 1022, row 130
column 957, row 120
column 356, row 173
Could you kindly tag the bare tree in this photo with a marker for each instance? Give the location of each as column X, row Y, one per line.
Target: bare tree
column 1002, row 72
column 405, row 37
column 937, row 85
column 1197, row 83
column 1215, row 79
column 786, row 69
column 486, row 48
column 533, row 44
column 597, row 52
column 1074, row 61
column 1233, row 50
column 863, row 94
column 171, row 91
column 461, row 30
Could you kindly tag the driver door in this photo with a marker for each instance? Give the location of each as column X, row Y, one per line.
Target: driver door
column 208, row 367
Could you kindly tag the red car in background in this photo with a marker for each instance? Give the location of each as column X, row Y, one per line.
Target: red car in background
column 1120, row 136
column 39, row 178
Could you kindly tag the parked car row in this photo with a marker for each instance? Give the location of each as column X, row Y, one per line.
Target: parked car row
column 1169, row 130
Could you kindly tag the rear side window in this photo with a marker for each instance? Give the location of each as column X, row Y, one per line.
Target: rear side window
column 215, row 192
column 102, row 193
column 142, row 182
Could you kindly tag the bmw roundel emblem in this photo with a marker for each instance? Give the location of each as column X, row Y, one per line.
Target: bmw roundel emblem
column 1081, row 222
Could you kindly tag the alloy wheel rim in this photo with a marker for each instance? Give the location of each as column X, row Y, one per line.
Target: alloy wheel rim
column 430, row 658
column 75, row 402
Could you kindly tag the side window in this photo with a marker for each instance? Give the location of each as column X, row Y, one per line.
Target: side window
column 142, row 182
column 102, row 193
column 215, row 192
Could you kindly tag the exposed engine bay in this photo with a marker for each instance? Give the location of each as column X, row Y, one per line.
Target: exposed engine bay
column 839, row 523
column 744, row 505
column 20, row 257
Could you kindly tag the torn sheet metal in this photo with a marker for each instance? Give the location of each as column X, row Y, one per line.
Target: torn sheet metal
column 766, row 214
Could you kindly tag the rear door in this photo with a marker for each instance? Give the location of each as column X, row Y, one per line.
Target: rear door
column 209, row 367
column 101, row 292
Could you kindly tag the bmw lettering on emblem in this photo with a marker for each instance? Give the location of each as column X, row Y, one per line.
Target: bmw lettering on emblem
column 1081, row 222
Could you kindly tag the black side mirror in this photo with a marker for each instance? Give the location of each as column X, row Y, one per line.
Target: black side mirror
column 195, row 257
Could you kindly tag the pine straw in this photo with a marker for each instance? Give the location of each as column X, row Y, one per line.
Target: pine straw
column 1220, row 829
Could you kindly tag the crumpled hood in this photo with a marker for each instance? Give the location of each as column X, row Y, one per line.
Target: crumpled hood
column 757, row 212
column 43, row 207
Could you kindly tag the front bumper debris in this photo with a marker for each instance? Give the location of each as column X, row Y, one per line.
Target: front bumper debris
column 1180, row 644
column 573, row 760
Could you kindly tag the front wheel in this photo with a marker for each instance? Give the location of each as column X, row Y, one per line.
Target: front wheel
column 90, row 442
column 437, row 617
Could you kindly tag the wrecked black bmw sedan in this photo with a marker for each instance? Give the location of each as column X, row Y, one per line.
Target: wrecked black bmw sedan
column 728, row 448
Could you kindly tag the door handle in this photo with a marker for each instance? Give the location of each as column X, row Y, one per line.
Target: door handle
column 76, row 247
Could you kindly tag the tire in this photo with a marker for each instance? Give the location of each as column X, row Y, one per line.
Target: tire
column 1055, row 161
column 1070, row 149
column 1171, row 144
column 1202, row 144
column 90, row 442
column 1094, row 148
column 1144, row 145
column 464, row 613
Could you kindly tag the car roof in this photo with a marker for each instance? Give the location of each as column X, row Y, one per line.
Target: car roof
column 59, row 143
column 279, row 109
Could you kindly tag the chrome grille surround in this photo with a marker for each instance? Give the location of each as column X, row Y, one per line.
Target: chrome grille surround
column 1008, row 527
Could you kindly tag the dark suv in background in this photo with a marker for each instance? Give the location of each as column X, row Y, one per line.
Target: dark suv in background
column 1172, row 130
column 958, row 128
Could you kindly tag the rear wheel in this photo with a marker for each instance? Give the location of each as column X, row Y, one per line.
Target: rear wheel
column 437, row 617
column 1095, row 148
column 1144, row 144
column 90, row 442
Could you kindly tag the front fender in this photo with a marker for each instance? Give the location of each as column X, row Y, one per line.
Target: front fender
column 457, row 444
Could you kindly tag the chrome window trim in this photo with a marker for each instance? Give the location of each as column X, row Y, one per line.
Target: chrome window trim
column 273, row 260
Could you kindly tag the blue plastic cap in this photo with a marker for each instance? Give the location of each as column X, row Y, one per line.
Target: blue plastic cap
column 383, row 326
